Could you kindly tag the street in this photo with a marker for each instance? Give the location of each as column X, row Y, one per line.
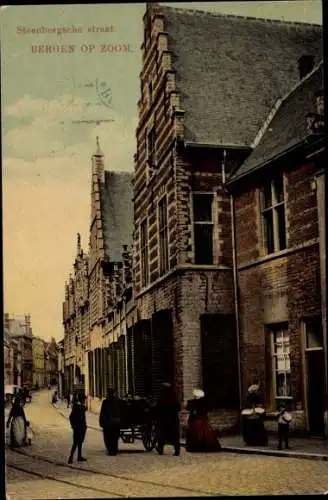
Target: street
column 45, row 474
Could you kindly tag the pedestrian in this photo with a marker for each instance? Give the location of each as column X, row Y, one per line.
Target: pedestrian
column 284, row 419
column 166, row 412
column 200, row 434
column 78, row 423
column 68, row 399
column 54, row 398
column 110, row 421
column 17, row 413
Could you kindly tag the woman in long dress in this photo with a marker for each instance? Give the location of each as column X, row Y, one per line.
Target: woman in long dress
column 200, row 434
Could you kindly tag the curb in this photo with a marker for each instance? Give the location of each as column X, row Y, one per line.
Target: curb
column 276, row 453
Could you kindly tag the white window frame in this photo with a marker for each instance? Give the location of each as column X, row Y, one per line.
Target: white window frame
column 202, row 223
column 273, row 208
column 273, row 330
column 164, row 230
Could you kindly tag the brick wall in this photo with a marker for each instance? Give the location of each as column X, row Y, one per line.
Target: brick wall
column 282, row 287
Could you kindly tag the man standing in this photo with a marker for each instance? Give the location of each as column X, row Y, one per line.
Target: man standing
column 167, row 417
column 79, row 425
column 110, row 420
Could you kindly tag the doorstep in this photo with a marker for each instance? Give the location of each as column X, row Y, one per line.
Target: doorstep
column 305, row 448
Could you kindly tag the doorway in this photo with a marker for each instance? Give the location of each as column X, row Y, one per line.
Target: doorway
column 315, row 369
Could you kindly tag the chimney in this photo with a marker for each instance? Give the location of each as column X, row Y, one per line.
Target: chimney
column 305, row 65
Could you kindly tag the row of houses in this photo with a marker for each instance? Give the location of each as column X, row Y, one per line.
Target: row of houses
column 29, row 360
column 205, row 266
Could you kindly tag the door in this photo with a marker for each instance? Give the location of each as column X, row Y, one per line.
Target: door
column 316, row 389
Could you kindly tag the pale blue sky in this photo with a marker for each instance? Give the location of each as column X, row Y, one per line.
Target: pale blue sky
column 46, row 175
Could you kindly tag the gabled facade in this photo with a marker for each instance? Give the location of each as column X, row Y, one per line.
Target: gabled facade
column 76, row 320
column 197, row 121
column 279, row 213
column 19, row 328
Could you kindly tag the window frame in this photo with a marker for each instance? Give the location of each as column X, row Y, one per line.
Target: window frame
column 163, row 236
column 209, row 223
column 273, row 208
column 273, row 330
column 144, row 253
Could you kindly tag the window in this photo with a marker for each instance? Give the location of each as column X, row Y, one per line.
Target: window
column 314, row 333
column 273, row 215
column 163, row 236
column 203, row 228
column 281, row 361
column 151, row 139
column 144, row 252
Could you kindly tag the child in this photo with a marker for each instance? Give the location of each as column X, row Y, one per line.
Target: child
column 284, row 419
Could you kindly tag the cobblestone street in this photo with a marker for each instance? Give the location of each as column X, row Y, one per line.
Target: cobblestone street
column 135, row 472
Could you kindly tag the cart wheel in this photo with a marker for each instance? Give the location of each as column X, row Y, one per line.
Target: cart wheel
column 149, row 438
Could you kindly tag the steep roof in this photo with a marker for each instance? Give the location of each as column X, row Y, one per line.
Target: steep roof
column 288, row 125
column 232, row 69
column 117, row 213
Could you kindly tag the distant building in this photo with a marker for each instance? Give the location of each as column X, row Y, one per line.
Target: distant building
column 8, row 346
column 38, row 362
column 19, row 328
column 208, row 84
column 61, row 369
column 51, row 362
column 98, row 296
column 76, row 321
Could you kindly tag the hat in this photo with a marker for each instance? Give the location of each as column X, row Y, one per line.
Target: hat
column 198, row 393
column 253, row 388
column 167, row 385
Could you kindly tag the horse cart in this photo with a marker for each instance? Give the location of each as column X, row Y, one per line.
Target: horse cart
column 137, row 422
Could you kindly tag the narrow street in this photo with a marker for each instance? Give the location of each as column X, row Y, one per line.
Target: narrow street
column 45, row 474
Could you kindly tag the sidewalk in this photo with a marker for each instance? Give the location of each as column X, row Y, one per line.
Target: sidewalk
column 307, row 448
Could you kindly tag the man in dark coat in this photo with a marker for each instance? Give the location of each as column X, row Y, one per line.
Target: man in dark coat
column 110, row 420
column 78, row 422
column 167, row 418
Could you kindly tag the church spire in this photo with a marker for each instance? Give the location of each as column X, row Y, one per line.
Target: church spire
column 98, row 150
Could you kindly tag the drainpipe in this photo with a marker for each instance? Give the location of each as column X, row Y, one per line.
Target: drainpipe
column 126, row 365
column 235, row 278
column 235, row 286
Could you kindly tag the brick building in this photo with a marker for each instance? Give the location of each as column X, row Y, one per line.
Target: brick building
column 277, row 218
column 19, row 328
column 98, row 296
column 76, row 320
column 109, row 276
column 204, row 99
column 208, row 82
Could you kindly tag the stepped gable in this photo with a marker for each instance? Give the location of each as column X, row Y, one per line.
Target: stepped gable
column 117, row 213
column 231, row 70
column 288, row 125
